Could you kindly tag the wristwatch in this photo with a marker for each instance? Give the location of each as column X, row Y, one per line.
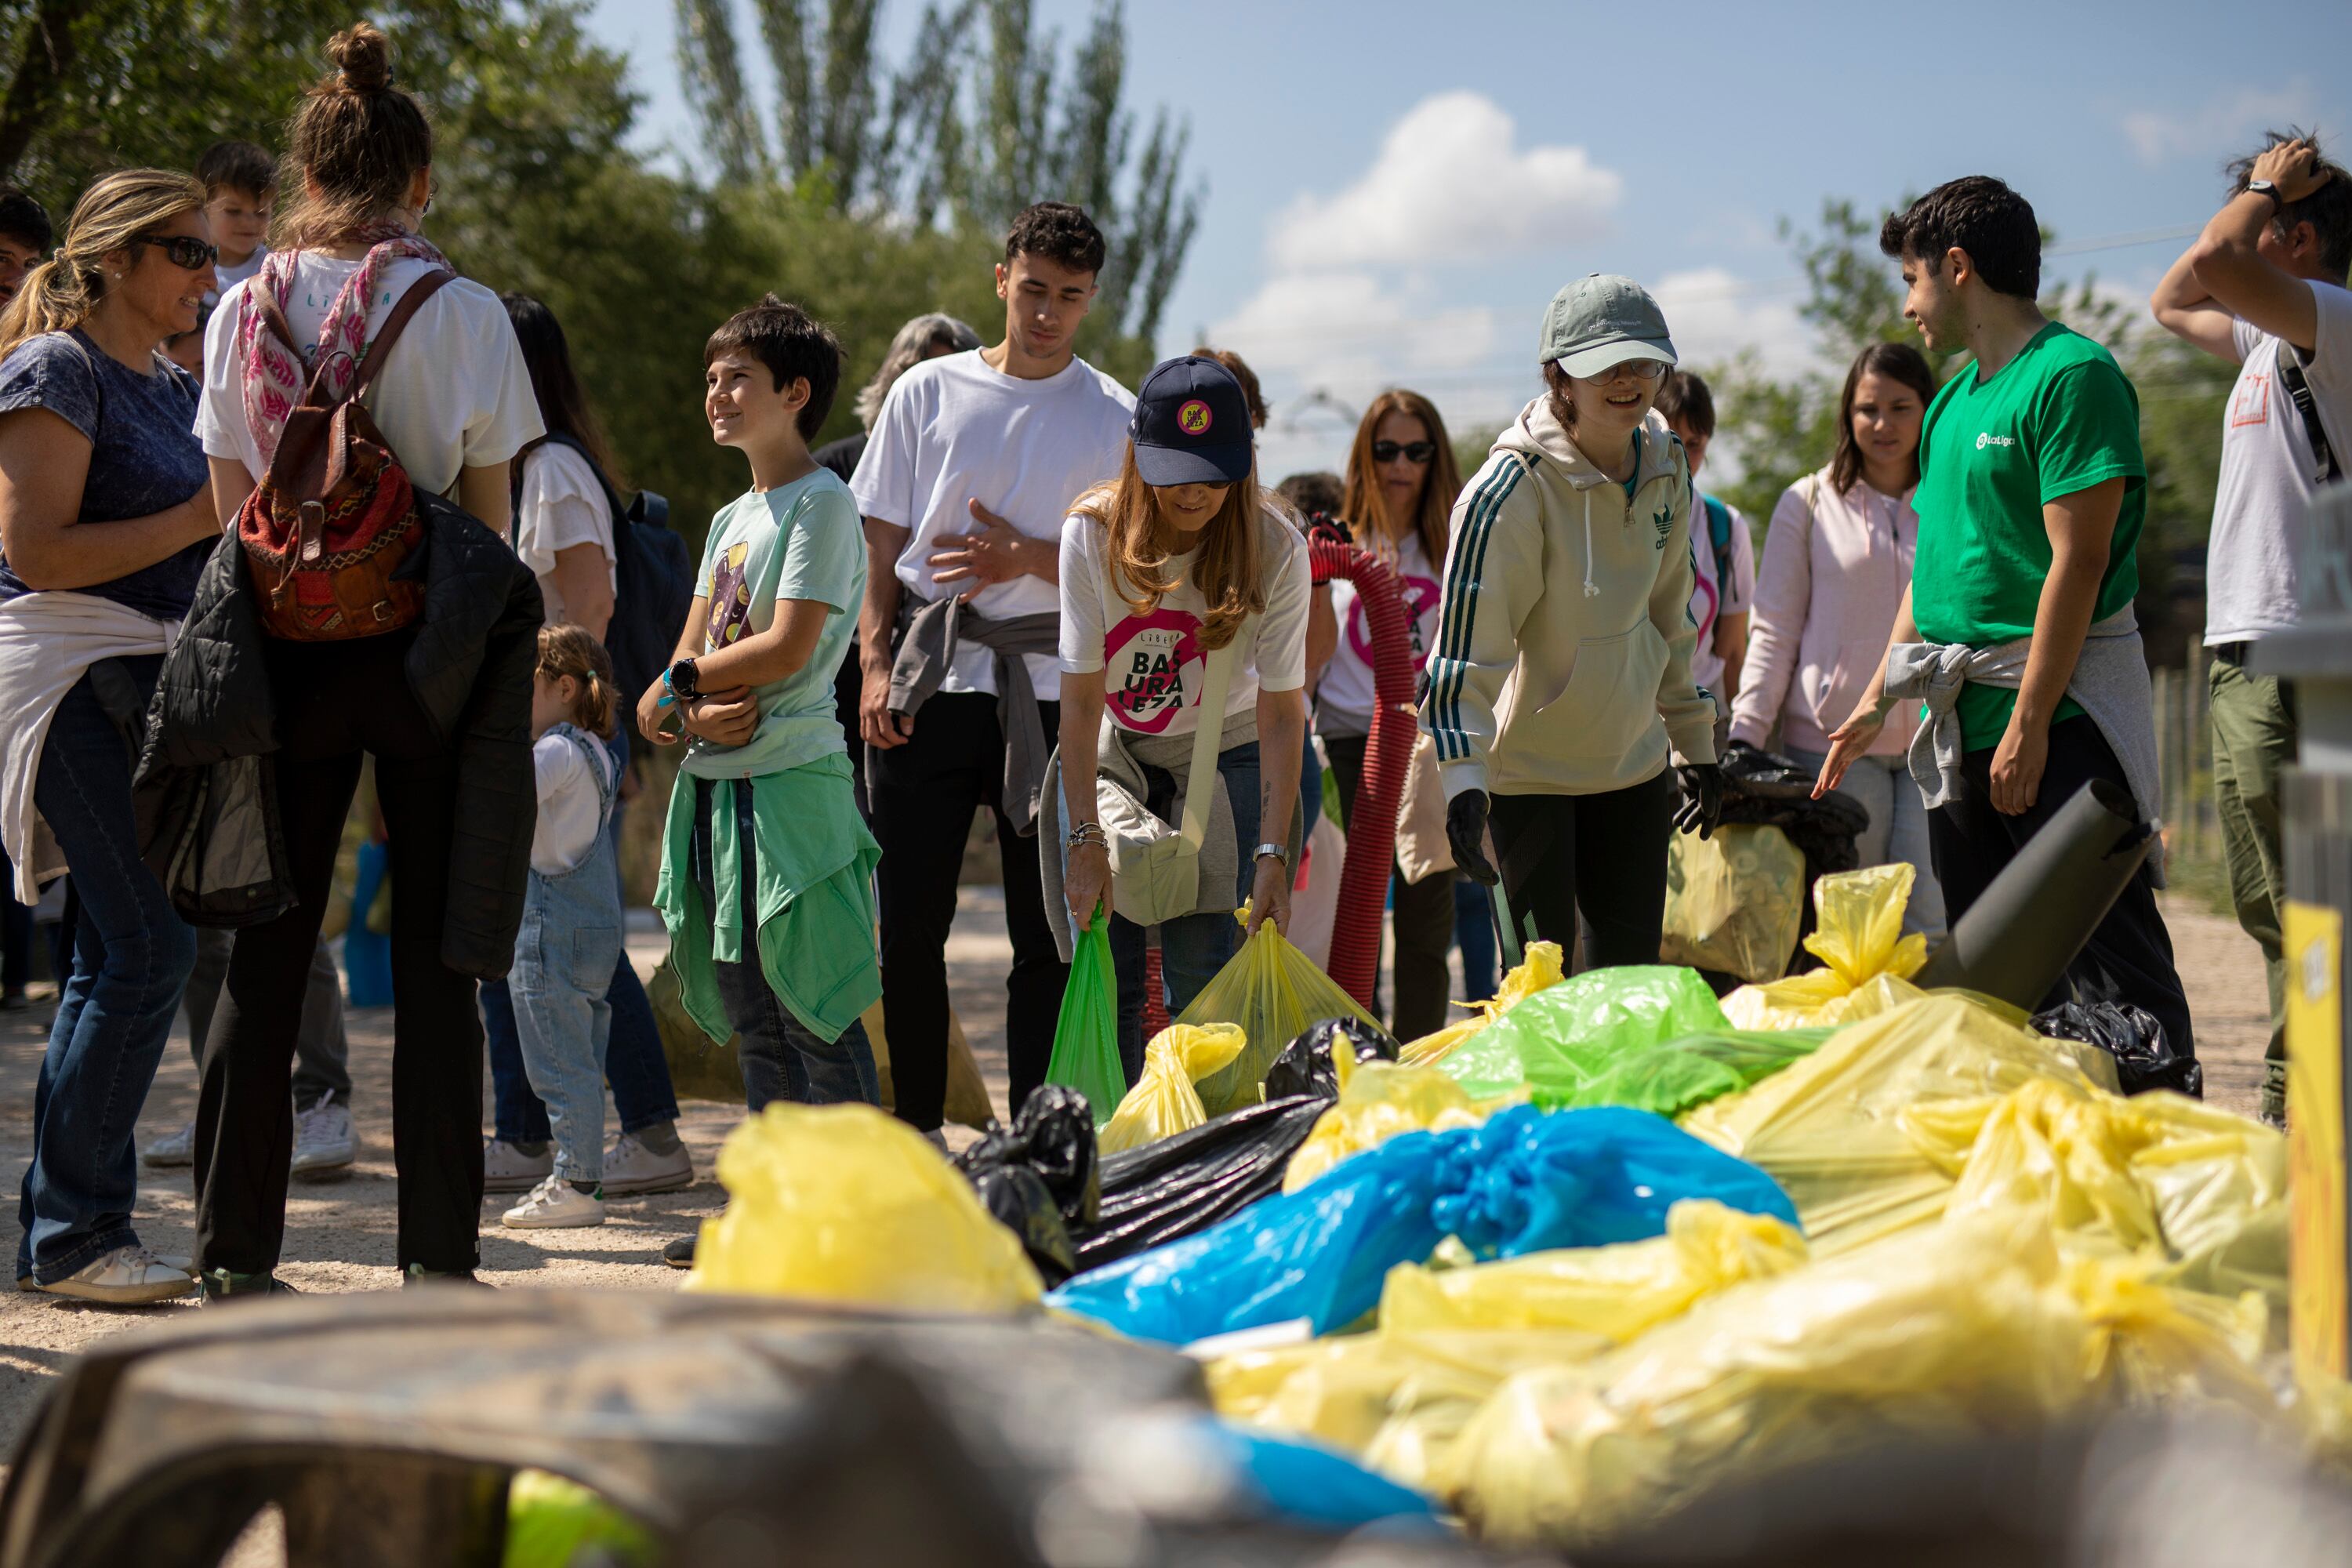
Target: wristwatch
column 1279, row 851
column 2264, row 188
column 685, row 680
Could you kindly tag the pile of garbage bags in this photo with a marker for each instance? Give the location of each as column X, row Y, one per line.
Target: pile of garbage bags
column 1606, row 1243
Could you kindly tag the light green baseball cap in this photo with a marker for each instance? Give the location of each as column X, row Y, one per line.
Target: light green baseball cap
column 1602, row 320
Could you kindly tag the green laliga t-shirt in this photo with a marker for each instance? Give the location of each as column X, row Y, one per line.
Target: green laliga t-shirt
column 2060, row 417
column 799, row 541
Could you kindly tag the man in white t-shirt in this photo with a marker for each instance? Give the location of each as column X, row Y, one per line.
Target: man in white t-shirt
column 2264, row 288
column 970, row 470
column 1720, row 600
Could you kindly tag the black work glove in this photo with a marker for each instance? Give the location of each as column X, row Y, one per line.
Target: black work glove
column 1465, row 830
column 1702, row 808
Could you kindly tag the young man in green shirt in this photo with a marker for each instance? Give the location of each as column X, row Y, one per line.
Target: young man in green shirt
column 2031, row 492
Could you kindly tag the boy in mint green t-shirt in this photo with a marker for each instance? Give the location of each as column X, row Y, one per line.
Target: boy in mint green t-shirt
column 767, row 868
column 2031, row 493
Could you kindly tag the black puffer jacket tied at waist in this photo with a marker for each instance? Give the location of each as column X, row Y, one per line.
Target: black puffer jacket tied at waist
column 206, row 800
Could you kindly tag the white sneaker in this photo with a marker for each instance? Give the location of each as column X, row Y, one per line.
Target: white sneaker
column 554, row 1205
column 507, row 1169
column 324, row 1144
column 938, row 1137
column 630, row 1167
column 172, row 1149
column 126, row 1276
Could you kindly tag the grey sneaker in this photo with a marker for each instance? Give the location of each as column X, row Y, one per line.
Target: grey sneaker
column 324, row 1144
column 170, row 1149
column 631, row 1168
column 507, row 1169
column 220, row 1284
column 126, row 1276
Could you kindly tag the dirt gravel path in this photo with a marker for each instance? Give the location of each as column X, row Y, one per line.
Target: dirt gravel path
column 340, row 1234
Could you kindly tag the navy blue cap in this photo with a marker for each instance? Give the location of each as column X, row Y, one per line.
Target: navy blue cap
column 1191, row 424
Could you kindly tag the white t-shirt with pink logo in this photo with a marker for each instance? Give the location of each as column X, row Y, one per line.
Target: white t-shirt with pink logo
column 1343, row 702
column 1153, row 667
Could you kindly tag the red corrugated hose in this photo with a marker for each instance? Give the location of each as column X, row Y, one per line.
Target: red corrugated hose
column 1371, row 831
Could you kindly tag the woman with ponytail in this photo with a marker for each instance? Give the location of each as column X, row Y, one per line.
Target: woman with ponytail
column 105, row 522
column 441, row 702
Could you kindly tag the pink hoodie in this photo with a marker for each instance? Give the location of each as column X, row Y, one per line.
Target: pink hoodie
column 1834, row 573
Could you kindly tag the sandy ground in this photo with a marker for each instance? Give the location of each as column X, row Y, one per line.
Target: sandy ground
column 340, row 1234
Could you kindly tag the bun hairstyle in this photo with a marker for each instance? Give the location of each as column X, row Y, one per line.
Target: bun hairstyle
column 61, row 292
column 358, row 143
column 566, row 649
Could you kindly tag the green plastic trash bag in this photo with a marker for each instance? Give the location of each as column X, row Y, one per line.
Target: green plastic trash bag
column 1086, row 1039
column 1684, row 1074
column 551, row 1521
column 1562, row 1038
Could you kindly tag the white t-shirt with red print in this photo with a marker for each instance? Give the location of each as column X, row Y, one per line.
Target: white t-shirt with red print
column 1343, row 702
column 1154, row 668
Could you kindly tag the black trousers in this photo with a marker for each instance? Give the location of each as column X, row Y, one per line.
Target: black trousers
column 1423, row 912
column 923, row 796
column 1604, row 854
column 336, row 700
column 2129, row 956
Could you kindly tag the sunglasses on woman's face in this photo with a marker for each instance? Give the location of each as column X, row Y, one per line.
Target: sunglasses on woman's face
column 1411, row 451
column 184, row 250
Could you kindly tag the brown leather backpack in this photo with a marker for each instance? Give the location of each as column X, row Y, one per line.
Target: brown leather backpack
column 330, row 523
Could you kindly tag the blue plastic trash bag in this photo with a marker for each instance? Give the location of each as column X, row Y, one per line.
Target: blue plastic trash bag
column 1306, row 1484
column 1524, row 1181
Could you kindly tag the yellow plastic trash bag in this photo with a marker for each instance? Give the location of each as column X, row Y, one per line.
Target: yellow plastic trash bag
column 845, row 1203
column 1859, row 934
column 1735, row 901
column 1163, row 1101
column 1397, row 1402
column 1271, row 991
column 2201, row 1190
column 1969, row 1327
column 1378, row 1102
column 1616, row 1291
column 1538, row 968
column 1831, row 1129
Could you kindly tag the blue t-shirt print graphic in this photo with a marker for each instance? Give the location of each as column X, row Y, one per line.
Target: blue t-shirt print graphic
column 144, row 457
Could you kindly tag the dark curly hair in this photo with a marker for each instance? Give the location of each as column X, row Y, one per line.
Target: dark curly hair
column 794, row 345
column 1981, row 215
column 1059, row 232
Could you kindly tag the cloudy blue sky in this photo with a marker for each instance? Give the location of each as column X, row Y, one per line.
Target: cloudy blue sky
column 1392, row 191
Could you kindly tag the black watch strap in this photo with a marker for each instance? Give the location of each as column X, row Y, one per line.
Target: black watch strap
column 2264, row 188
column 685, row 680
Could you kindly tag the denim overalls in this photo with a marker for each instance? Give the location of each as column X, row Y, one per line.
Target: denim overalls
column 564, row 958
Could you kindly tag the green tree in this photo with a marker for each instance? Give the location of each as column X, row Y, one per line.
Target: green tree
column 983, row 117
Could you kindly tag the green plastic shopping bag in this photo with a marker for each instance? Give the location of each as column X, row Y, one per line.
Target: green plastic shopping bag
column 1086, row 1039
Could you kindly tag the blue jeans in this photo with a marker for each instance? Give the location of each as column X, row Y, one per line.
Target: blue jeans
column 1192, row 948
column 782, row 1058
column 635, row 1064
column 564, row 957
column 132, row 954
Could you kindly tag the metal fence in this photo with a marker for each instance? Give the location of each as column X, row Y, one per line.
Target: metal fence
column 2184, row 749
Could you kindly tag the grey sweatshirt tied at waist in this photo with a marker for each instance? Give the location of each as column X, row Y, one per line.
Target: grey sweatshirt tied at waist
column 2110, row 682
column 929, row 632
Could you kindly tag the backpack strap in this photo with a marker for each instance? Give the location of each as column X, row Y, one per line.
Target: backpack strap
column 2298, row 388
column 1719, row 534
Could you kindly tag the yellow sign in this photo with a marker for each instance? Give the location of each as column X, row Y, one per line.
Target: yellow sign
column 2315, row 1097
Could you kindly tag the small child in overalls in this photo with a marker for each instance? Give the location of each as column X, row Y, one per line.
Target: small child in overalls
column 571, row 923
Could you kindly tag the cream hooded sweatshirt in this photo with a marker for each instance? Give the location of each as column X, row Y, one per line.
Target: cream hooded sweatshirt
column 1564, row 637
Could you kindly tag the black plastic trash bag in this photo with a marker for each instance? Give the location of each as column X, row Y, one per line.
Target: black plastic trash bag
column 1169, row 1190
column 2145, row 1058
column 1770, row 790
column 1040, row 1179
column 1305, row 1065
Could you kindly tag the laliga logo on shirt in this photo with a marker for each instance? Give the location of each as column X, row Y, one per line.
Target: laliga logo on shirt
column 1193, row 419
column 1986, row 438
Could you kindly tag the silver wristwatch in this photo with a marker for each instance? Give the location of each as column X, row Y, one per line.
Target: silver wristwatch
column 2264, row 188
column 1279, row 851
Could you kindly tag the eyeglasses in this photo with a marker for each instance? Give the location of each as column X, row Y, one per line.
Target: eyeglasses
column 184, row 250
column 1411, row 451
column 1639, row 369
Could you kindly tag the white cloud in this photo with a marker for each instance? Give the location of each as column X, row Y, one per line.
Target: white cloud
column 2224, row 126
column 1350, row 334
column 1714, row 314
column 1449, row 184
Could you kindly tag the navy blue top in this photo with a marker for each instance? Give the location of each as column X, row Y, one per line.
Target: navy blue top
column 144, row 457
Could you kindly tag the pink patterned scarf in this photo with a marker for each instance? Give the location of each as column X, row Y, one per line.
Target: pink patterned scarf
column 274, row 376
